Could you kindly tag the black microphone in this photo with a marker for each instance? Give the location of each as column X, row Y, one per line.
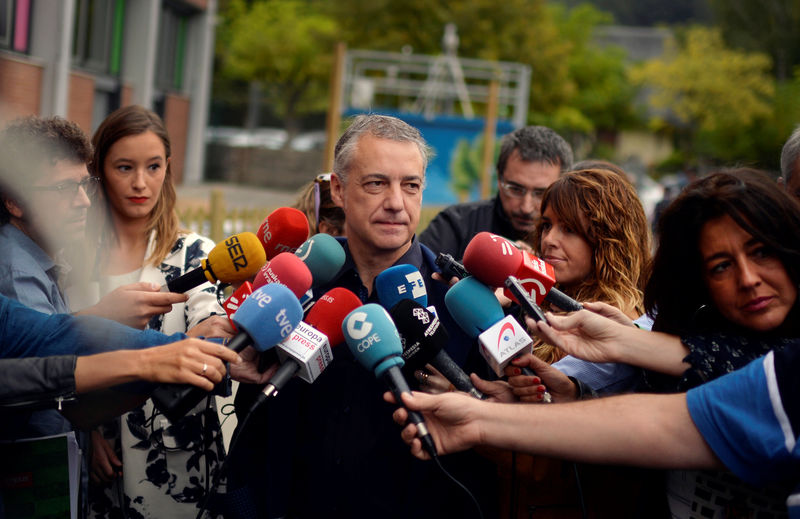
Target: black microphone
column 423, row 338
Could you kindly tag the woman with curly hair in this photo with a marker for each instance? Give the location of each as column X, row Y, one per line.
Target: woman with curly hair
column 594, row 233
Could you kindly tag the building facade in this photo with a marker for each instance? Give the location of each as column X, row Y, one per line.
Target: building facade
column 82, row 59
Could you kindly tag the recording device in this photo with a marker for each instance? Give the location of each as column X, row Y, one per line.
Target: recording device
column 286, row 269
column 283, row 230
column 476, row 310
column 236, row 259
column 264, row 318
column 528, row 305
column 423, row 338
column 323, row 256
column 373, row 339
column 450, row 267
column 307, row 351
column 492, row 258
column 400, row 282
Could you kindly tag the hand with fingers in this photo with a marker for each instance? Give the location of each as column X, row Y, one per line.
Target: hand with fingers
column 213, row 326
column 583, row 334
column 190, row 361
column 135, row 304
column 105, row 466
column 532, row 388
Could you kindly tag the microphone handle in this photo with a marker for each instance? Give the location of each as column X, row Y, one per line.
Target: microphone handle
column 186, row 282
column 398, row 385
column 453, row 372
column 563, row 301
column 547, row 397
column 276, row 383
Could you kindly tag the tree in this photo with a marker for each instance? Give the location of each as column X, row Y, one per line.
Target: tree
column 286, row 46
column 707, row 88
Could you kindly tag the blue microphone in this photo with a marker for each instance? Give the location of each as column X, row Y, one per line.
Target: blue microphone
column 400, row 282
column 324, row 257
column 475, row 308
column 264, row 319
column 373, row 339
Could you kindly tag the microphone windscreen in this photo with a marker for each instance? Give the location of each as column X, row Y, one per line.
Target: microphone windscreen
column 329, row 312
column 373, row 338
column 268, row 315
column 400, row 282
column 473, row 306
column 236, row 259
column 323, row 256
column 536, row 276
column 286, row 269
column 283, row 230
column 491, row 258
column 423, row 335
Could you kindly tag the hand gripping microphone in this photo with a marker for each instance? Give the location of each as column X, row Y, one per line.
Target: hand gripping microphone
column 283, row 230
column 264, row 319
column 492, row 258
column 236, row 259
column 307, row 351
column 374, row 341
column 475, row 308
column 323, row 256
column 423, row 338
column 400, row 282
column 286, row 269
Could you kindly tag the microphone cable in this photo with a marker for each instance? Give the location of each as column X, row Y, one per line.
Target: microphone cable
column 458, row 484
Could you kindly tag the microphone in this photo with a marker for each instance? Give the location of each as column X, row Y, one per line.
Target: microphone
column 283, row 230
column 235, row 301
column 373, row 339
column 476, row 310
column 264, row 319
column 286, row 269
column 307, row 351
column 400, row 282
column 236, row 259
column 324, row 257
column 492, row 258
column 423, row 338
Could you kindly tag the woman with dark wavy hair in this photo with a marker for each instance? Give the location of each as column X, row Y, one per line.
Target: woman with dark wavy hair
column 723, row 288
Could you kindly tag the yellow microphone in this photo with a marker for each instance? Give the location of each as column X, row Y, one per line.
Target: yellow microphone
column 236, row 259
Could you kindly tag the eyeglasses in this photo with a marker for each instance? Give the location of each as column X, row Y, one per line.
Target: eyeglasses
column 324, row 177
column 70, row 188
column 517, row 191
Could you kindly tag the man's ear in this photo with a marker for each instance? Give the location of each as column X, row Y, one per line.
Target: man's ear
column 13, row 208
column 337, row 189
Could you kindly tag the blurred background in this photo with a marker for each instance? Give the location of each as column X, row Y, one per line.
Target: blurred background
column 254, row 92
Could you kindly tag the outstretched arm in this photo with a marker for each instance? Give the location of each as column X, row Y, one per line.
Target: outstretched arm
column 647, row 430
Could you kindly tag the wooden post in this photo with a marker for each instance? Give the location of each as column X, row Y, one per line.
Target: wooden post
column 488, row 138
column 217, row 215
column 334, row 118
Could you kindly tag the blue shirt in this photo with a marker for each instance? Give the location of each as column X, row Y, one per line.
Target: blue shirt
column 751, row 420
column 28, row 274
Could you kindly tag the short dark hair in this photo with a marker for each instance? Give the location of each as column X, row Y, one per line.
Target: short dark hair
column 676, row 288
column 28, row 144
column 535, row 144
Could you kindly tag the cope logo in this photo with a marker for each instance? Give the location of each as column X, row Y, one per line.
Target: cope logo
column 505, row 337
column 358, row 328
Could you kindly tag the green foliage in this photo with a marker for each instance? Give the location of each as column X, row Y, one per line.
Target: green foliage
column 465, row 166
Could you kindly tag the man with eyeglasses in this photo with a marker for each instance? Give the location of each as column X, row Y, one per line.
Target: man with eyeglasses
column 531, row 159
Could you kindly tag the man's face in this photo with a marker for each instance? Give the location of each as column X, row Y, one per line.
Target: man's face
column 793, row 186
column 521, row 188
column 382, row 195
column 59, row 216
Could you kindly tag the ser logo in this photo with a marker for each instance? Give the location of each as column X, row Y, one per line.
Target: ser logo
column 236, row 253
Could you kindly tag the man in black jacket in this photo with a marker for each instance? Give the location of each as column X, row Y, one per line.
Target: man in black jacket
column 531, row 159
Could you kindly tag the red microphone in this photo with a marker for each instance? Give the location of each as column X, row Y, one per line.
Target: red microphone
column 283, row 230
column 286, row 269
column 307, row 350
column 235, row 301
column 492, row 259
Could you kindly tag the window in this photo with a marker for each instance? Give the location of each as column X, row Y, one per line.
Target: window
column 172, row 48
column 15, row 24
column 97, row 43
